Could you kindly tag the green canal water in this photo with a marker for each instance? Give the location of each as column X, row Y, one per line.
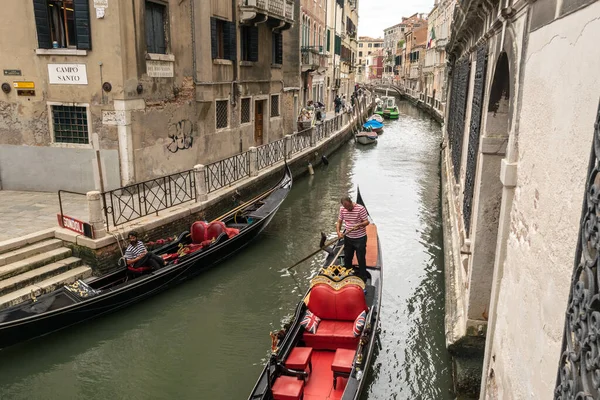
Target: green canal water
column 209, row 337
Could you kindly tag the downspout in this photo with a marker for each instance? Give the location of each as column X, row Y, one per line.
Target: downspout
column 193, row 30
column 236, row 65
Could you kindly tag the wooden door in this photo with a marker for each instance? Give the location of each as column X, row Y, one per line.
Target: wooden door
column 258, row 123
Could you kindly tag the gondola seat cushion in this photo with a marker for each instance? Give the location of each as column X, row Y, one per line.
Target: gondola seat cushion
column 287, row 388
column 215, row 228
column 338, row 310
column 139, row 270
column 198, row 231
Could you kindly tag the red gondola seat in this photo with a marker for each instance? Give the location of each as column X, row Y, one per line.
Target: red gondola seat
column 198, row 231
column 287, row 388
column 337, row 309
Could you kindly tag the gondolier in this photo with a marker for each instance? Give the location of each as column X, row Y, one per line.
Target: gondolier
column 137, row 255
column 355, row 218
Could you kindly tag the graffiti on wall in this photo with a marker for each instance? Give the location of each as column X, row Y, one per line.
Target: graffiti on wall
column 181, row 138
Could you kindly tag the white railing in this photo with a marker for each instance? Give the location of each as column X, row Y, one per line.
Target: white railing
column 278, row 8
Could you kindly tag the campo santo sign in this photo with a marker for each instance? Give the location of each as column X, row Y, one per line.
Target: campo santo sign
column 67, row 74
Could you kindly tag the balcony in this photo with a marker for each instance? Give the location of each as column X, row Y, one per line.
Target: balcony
column 278, row 13
column 313, row 59
column 440, row 44
column 428, row 70
column 414, row 72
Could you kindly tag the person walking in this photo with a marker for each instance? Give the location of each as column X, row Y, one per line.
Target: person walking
column 355, row 218
column 338, row 104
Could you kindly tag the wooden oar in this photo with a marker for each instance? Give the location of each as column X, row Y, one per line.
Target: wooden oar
column 322, row 247
column 246, row 204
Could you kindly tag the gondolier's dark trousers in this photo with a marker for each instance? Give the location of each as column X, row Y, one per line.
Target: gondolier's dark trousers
column 358, row 245
column 150, row 260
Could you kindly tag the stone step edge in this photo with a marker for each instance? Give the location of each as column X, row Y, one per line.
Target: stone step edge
column 29, row 250
column 37, row 275
column 45, row 286
column 18, row 242
column 39, row 260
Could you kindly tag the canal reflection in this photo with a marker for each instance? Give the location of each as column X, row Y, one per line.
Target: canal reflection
column 208, row 338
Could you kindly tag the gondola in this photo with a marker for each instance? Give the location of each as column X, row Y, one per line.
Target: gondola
column 329, row 359
column 193, row 251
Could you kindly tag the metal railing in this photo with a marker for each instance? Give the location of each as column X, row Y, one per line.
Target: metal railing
column 280, row 8
column 227, row 171
column 140, row 199
column 321, row 132
column 301, row 140
column 270, row 153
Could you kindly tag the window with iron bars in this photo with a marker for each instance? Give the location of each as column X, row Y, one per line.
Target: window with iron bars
column 274, row 105
column 222, row 111
column 245, row 117
column 70, row 124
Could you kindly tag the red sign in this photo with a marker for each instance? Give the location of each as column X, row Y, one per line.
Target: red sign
column 75, row 225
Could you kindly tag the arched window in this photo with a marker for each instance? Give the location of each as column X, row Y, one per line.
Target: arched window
column 314, row 34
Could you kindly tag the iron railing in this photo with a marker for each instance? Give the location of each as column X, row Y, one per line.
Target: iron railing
column 140, row 199
column 301, row 140
column 270, row 153
column 227, row 171
column 579, row 368
column 321, row 132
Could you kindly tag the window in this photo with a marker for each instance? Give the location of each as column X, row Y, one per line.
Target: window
column 222, row 37
column 360, row 53
column 64, row 22
column 249, row 45
column 328, row 40
column 274, row 105
column 338, row 45
column 277, row 48
column 222, row 114
column 155, row 28
column 245, row 110
column 70, row 124
column 360, row 45
column 370, row 44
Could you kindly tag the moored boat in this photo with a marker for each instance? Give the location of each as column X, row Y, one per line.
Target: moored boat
column 366, row 137
column 389, row 107
column 325, row 352
column 375, row 117
column 374, row 126
column 193, row 251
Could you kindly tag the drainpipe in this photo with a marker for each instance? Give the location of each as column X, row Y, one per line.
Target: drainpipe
column 236, row 68
column 193, row 29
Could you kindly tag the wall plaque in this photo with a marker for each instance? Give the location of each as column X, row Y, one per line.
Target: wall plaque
column 12, row 72
column 159, row 69
column 67, row 74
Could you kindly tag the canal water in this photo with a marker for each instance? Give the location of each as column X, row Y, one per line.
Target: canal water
column 209, row 337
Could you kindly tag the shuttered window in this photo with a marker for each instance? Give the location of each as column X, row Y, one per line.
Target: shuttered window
column 223, row 43
column 156, row 41
column 338, row 45
column 328, row 40
column 277, row 47
column 249, row 45
column 62, row 24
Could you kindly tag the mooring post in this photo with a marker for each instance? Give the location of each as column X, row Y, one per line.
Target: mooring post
column 201, row 187
column 253, row 161
column 95, row 214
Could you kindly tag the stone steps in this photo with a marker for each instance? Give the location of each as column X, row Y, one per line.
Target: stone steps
column 29, row 250
column 38, row 274
column 44, row 286
column 30, row 263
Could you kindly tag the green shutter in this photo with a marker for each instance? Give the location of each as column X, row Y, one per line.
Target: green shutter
column 328, row 40
column 338, row 45
column 253, row 43
column 229, row 45
column 42, row 25
column 213, row 38
column 82, row 24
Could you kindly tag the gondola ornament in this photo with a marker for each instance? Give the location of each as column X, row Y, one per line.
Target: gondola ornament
column 274, row 342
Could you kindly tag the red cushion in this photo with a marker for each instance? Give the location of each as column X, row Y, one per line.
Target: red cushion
column 342, row 305
column 332, row 335
column 287, row 388
column 342, row 361
column 215, row 229
column 198, row 231
column 139, row 270
column 299, row 358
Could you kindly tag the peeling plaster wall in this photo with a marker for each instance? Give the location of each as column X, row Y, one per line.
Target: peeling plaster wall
column 561, row 89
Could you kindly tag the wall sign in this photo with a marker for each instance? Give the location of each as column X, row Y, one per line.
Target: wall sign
column 25, row 92
column 101, row 3
column 75, row 225
column 67, row 74
column 12, row 72
column 114, row 118
column 159, row 69
column 23, row 85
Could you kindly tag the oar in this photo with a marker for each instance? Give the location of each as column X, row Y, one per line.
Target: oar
column 321, row 248
column 246, row 204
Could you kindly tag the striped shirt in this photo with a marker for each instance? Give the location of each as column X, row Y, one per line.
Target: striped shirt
column 135, row 251
column 352, row 218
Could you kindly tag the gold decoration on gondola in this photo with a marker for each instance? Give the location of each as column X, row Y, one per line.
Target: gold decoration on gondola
column 337, row 277
column 274, row 341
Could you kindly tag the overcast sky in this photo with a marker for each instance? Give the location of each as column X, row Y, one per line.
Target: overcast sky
column 375, row 15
